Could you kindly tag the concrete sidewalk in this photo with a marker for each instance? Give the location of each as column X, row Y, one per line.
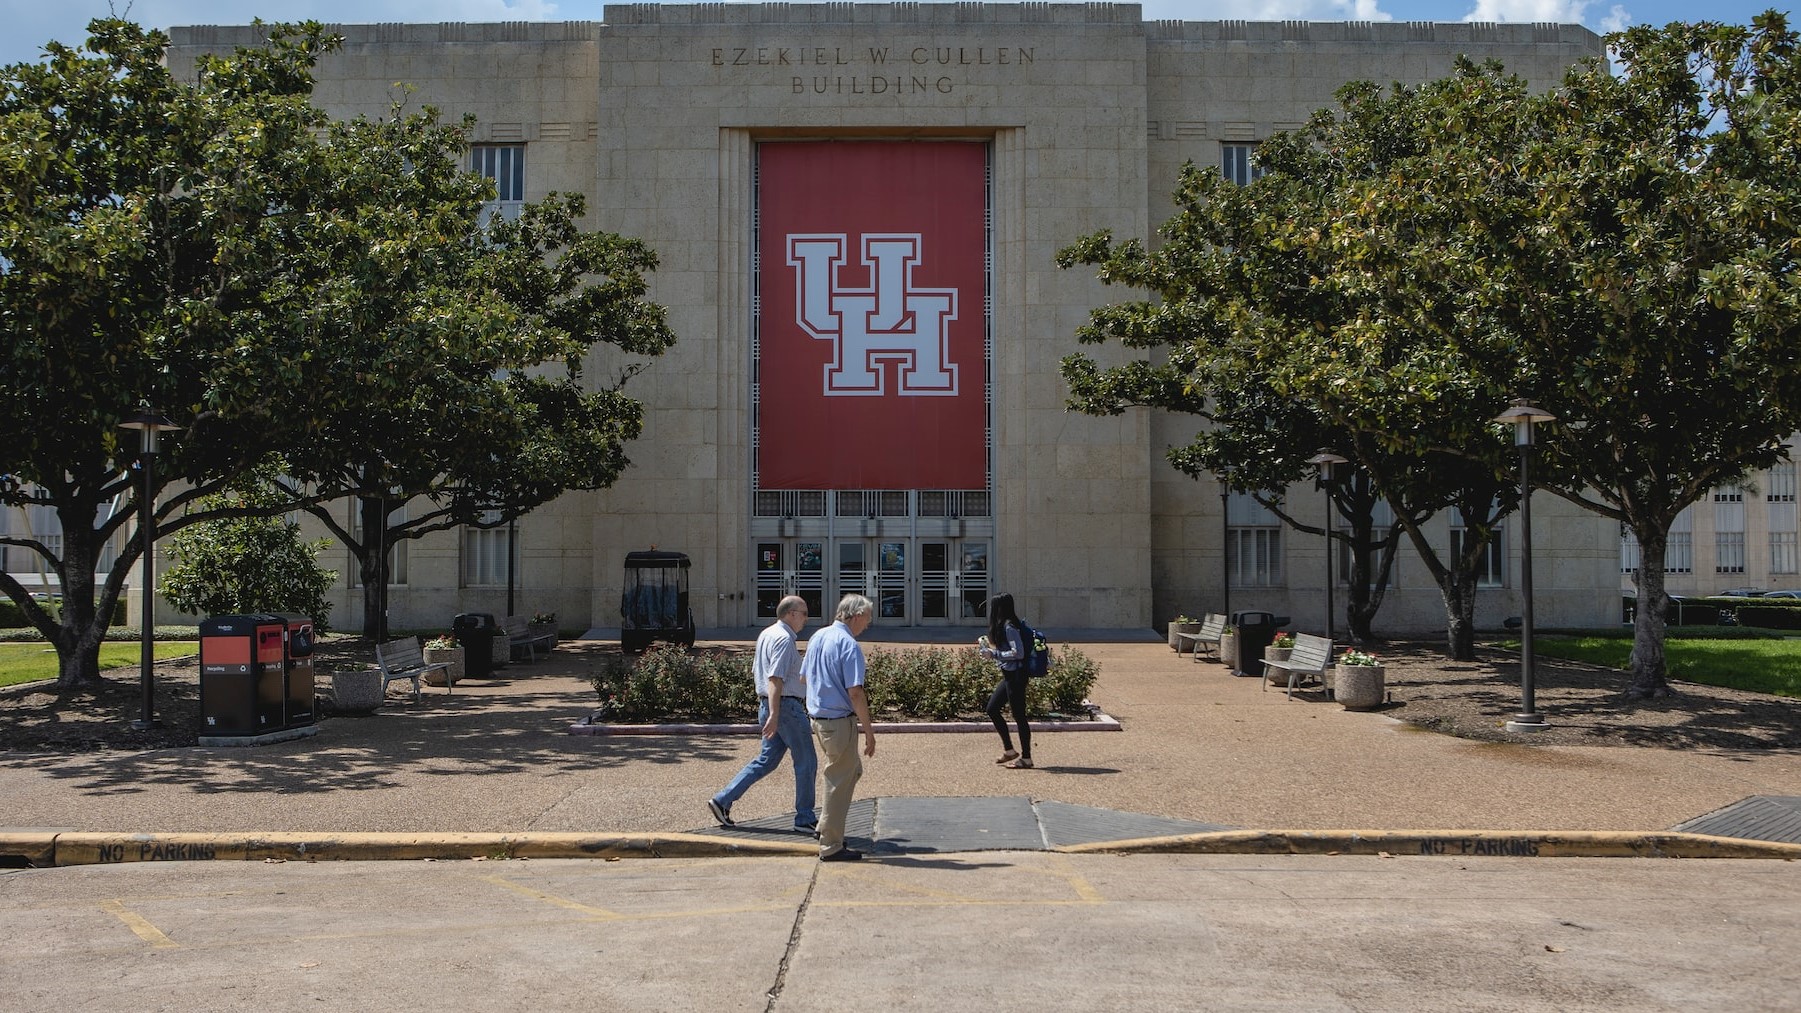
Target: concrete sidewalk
column 495, row 758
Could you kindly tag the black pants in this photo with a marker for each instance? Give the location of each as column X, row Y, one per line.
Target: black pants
column 1012, row 687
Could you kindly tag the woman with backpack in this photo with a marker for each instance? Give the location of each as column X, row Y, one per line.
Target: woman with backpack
column 1009, row 644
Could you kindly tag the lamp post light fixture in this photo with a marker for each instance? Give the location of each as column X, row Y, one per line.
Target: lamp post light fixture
column 150, row 425
column 1325, row 460
column 1524, row 418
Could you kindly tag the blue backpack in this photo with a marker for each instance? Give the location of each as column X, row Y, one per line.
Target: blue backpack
column 1038, row 653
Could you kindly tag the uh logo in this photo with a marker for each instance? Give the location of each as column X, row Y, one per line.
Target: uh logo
column 890, row 321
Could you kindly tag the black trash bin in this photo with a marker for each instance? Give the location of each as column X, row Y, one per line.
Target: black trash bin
column 1256, row 631
column 476, row 632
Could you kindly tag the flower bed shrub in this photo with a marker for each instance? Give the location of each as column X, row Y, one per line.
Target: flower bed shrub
column 670, row 683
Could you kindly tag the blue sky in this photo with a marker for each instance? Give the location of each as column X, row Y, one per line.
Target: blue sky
column 29, row 24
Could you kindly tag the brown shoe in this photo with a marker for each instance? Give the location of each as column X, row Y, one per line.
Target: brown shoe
column 1023, row 763
column 1009, row 756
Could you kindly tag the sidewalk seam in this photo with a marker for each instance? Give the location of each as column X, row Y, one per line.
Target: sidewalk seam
column 800, row 916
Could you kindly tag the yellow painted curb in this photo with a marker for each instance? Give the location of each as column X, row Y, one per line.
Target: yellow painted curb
column 36, row 849
column 113, row 848
column 1455, row 843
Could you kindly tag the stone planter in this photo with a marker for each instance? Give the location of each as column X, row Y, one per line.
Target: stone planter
column 451, row 655
column 356, row 692
column 502, row 653
column 1228, row 651
column 1178, row 646
column 1277, row 653
column 1360, row 687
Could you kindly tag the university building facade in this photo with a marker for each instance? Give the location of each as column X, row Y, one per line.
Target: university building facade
column 857, row 208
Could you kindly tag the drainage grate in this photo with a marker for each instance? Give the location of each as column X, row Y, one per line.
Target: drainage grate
column 895, row 825
column 1758, row 818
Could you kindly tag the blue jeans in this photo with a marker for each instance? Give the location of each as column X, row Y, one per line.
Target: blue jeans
column 793, row 734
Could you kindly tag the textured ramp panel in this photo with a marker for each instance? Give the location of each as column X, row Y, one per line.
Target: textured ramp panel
column 1758, row 818
column 896, row 826
column 1079, row 824
column 956, row 824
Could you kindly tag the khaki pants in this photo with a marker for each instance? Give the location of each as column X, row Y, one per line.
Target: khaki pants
column 839, row 762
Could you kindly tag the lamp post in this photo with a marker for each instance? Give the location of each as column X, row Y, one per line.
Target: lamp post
column 1225, row 546
column 1324, row 461
column 150, row 425
column 1524, row 418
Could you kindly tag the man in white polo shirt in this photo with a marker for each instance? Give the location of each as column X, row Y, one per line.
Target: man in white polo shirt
column 782, row 713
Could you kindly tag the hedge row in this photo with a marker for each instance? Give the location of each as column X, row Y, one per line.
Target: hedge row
column 671, row 683
column 12, row 617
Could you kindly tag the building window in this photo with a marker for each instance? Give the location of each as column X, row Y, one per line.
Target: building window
column 1780, row 505
column 505, row 165
column 1253, row 543
column 485, row 554
column 1729, row 552
column 1628, row 551
column 1782, row 552
column 1729, row 529
column 1237, row 162
column 1491, row 569
column 1679, row 553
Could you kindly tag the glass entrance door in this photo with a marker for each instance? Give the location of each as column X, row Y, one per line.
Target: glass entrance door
column 912, row 581
column 791, row 566
column 952, row 581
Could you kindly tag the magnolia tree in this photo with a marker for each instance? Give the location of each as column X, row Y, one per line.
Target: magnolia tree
column 285, row 289
column 1622, row 251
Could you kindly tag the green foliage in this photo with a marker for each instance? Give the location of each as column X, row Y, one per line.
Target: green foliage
column 203, row 239
column 1770, row 617
column 30, row 662
column 1758, row 664
column 12, row 618
column 670, row 683
column 240, row 565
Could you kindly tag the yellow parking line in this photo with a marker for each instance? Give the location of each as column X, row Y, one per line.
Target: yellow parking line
column 563, row 902
column 139, row 925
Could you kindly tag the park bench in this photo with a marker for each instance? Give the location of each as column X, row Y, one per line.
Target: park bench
column 1309, row 658
column 402, row 660
column 1212, row 626
column 521, row 640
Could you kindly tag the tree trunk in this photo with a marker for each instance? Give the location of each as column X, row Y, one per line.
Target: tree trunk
column 1648, row 679
column 1459, row 591
column 81, row 626
column 372, row 565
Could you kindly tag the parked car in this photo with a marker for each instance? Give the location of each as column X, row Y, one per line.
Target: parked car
column 1791, row 593
column 1743, row 592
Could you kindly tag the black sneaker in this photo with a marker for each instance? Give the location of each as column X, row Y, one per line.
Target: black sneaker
column 843, row 855
column 811, row 830
column 720, row 813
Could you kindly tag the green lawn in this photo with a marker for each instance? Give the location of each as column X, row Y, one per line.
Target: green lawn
column 33, row 661
column 1760, row 666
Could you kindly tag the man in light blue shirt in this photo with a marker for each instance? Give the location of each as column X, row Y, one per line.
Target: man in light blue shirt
column 836, row 701
column 782, row 714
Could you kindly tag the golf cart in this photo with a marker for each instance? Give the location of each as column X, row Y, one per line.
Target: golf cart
column 655, row 603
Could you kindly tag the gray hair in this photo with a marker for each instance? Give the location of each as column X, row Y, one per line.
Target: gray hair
column 792, row 603
column 853, row 605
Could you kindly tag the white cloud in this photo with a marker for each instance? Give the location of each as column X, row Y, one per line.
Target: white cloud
column 1264, row 10
column 1523, row 11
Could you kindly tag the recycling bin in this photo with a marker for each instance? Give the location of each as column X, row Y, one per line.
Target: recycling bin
column 476, row 632
column 242, row 686
column 1256, row 631
column 298, row 682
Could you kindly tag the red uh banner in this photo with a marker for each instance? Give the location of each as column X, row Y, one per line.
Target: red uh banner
column 873, row 295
